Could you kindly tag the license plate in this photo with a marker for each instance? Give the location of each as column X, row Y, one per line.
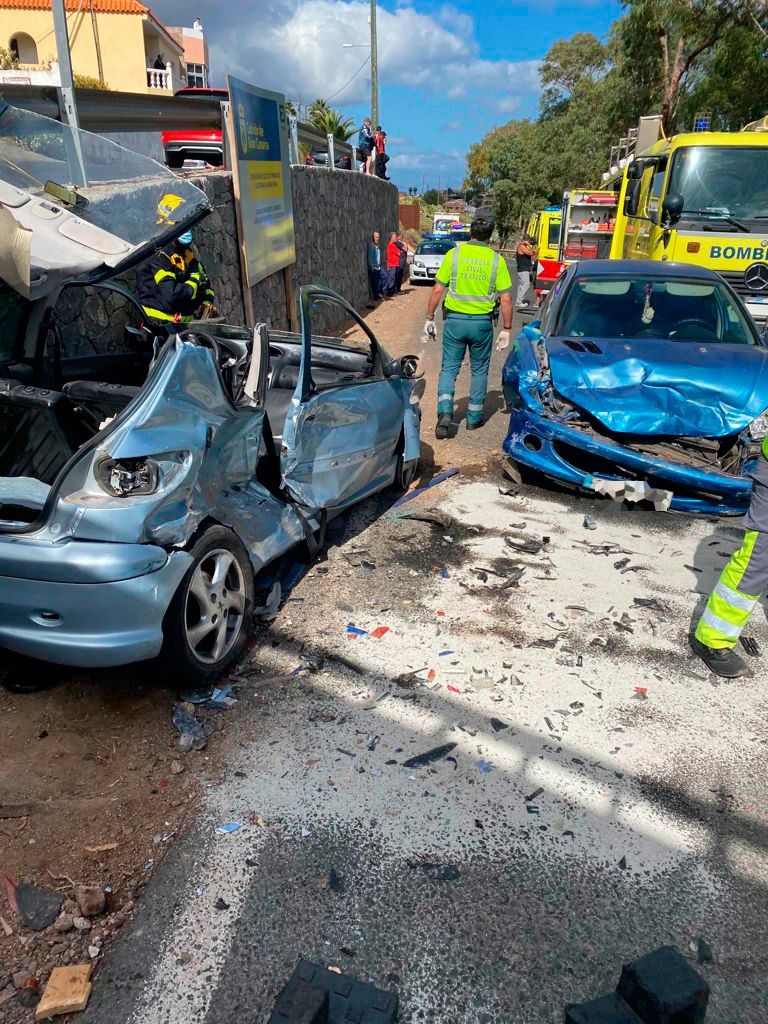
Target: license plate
column 431, row 273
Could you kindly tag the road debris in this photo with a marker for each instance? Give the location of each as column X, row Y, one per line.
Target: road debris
column 192, row 735
column 220, row 904
column 228, row 828
column 67, row 991
column 750, row 646
column 430, row 756
column 590, row 523
column 379, row 632
column 439, row 479
column 37, row 908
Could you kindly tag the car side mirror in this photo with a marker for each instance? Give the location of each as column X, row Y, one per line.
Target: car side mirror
column 672, row 208
column 632, row 198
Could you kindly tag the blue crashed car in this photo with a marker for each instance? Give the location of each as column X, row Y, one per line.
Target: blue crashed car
column 641, row 381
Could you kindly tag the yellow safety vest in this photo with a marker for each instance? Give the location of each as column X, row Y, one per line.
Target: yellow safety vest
column 473, row 274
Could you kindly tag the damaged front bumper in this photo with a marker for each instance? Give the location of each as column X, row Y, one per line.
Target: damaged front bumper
column 553, row 448
column 92, row 605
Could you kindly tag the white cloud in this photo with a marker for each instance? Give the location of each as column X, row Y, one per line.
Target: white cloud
column 451, row 126
column 298, row 50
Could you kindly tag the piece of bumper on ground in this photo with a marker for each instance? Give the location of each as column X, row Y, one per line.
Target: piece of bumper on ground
column 546, row 445
column 90, row 625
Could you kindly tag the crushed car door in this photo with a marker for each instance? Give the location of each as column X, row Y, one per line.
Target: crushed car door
column 344, row 426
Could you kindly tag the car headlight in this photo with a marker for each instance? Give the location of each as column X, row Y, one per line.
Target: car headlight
column 123, row 477
column 758, row 428
column 419, row 265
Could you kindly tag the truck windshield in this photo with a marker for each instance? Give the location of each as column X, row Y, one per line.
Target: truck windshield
column 722, row 181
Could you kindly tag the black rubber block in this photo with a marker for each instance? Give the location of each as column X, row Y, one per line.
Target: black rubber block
column 663, row 988
column 607, row 1010
column 349, row 1001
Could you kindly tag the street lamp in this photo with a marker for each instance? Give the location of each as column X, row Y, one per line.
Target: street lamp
column 374, row 63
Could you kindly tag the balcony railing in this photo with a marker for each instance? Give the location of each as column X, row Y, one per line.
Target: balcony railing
column 157, row 79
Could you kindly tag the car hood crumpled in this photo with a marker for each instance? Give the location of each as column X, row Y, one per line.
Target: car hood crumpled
column 650, row 386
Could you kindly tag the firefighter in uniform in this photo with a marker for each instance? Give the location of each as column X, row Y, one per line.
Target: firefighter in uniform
column 173, row 287
column 470, row 277
column 741, row 584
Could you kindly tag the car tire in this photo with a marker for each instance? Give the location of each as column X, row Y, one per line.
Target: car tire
column 405, row 472
column 206, row 626
column 174, row 160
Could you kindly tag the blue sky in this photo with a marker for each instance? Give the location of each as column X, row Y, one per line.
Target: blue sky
column 447, row 72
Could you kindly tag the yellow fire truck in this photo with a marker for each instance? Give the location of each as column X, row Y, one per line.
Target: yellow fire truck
column 699, row 197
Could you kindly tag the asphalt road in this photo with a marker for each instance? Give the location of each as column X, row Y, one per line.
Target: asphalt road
column 588, row 825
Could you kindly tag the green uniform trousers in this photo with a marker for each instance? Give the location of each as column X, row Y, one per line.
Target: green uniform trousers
column 462, row 331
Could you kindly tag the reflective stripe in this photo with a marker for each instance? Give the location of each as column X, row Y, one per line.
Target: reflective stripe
column 158, row 314
column 472, row 298
column 732, row 597
column 162, row 275
column 475, row 408
column 720, row 625
column 445, row 398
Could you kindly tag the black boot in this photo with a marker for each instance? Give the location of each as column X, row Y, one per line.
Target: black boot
column 476, row 425
column 443, row 428
column 723, row 661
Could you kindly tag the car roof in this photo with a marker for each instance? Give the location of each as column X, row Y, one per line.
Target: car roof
column 643, row 268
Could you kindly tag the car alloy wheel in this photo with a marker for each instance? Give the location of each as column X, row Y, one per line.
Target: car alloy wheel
column 214, row 607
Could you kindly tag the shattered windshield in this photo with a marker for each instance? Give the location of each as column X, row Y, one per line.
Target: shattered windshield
column 717, row 181
column 679, row 309
column 128, row 195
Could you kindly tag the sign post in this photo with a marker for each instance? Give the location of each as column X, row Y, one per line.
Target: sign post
column 262, row 181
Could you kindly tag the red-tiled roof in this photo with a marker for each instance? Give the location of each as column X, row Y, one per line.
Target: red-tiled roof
column 101, row 6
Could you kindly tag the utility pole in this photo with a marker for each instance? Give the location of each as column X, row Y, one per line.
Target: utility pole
column 67, row 104
column 97, row 43
column 374, row 68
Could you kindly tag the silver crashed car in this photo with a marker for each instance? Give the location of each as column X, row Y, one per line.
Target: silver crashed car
column 144, row 482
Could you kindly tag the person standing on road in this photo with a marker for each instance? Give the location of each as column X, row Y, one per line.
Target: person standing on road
column 374, row 265
column 524, row 259
column 741, row 584
column 472, row 274
column 402, row 263
column 394, row 248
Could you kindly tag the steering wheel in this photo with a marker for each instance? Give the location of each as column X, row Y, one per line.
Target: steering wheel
column 697, row 322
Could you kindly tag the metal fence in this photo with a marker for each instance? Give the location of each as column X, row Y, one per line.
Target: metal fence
column 101, row 111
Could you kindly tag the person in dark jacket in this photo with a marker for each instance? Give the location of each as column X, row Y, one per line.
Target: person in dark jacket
column 402, row 263
column 374, row 266
column 173, row 287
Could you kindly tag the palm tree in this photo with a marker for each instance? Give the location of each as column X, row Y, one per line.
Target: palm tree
column 330, row 122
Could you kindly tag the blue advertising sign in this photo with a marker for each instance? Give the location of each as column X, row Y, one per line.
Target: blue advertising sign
column 263, row 172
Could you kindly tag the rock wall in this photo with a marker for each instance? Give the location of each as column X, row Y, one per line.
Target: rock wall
column 335, row 213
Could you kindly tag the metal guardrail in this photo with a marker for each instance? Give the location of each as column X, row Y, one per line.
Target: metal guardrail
column 101, row 111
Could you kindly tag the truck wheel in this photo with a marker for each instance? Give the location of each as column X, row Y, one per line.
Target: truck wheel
column 207, row 621
column 174, row 160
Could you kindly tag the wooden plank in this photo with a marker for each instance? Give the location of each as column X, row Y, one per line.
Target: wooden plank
column 17, row 810
column 67, row 991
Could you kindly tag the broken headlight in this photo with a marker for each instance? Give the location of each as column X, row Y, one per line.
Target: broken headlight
column 123, row 477
column 758, row 428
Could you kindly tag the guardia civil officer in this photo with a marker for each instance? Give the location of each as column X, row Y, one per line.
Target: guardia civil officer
column 741, row 584
column 470, row 278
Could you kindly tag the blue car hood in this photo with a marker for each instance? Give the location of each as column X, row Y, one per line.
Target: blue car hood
column 654, row 386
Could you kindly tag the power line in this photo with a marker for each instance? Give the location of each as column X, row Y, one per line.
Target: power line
column 351, row 79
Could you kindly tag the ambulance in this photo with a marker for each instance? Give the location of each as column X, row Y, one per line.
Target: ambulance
column 544, row 230
column 699, row 197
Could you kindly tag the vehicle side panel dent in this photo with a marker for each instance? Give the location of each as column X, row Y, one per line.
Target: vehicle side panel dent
column 208, row 451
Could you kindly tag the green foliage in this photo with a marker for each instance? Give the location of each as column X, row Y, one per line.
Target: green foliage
column 8, row 61
column 329, row 121
column 668, row 57
column 89, row 82
column 431, row 196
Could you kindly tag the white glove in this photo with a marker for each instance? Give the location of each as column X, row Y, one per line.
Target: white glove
column 502, row 341
column 429, row 330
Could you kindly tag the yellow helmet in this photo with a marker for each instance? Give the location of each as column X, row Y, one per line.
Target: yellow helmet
column 167, row 207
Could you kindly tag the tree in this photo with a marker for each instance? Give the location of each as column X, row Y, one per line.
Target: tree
column 686, row 31
column 330, row 122
column 431, row 197
column 569, row 62
column 8, row 60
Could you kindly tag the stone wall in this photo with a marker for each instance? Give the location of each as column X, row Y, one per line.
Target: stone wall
column 334, row 214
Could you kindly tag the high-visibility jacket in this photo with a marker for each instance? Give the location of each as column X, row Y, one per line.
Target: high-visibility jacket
column 474, row 275
column 172, row 284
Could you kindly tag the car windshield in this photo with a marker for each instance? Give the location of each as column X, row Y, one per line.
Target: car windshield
column 123, row 188
column 722, row 181
column 433, row 249
column 678, row 309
